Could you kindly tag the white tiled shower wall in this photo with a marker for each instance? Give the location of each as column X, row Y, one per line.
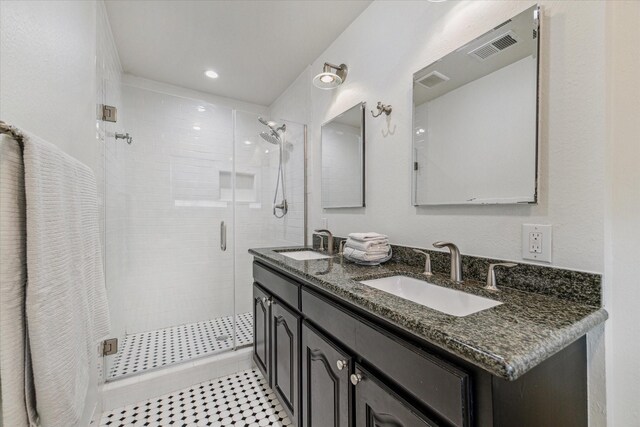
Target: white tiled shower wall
column 166, row 200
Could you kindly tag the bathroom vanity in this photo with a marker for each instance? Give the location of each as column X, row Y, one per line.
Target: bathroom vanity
column 339, row 353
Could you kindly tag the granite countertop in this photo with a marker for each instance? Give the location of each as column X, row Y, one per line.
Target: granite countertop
column 506, row 340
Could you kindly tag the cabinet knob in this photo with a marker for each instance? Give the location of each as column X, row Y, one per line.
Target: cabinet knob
column 356, row 378
column 341, row 364
column 266, row 301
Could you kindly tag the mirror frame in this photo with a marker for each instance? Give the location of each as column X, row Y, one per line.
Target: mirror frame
column 537, row 22
column 363, row 109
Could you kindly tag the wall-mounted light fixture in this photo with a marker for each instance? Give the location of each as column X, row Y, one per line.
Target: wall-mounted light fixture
column 331, row 76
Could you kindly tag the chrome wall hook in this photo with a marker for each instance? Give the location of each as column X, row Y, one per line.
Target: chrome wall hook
column 124, row 136
column 382, row 108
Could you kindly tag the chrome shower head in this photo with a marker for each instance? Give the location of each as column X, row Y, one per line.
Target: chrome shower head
column 271, row 137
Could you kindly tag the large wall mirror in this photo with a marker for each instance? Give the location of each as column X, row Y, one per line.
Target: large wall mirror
column 343, row 159
column 475, row 116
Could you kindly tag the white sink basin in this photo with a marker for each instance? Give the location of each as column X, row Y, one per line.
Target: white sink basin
column 304, row 255
column 449, row 301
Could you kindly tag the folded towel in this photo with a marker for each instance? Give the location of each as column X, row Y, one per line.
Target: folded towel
column 365, row 237
column 363, row 256
column 372, row 245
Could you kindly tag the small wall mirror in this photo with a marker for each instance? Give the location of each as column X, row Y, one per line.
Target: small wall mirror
column 475, row 116
column 342, row 144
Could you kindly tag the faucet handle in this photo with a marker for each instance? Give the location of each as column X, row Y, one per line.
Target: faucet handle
column 491, row 274
column 427, row 262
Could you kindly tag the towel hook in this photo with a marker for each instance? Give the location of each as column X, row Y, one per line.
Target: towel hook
column 125, row 136
column 382, row 108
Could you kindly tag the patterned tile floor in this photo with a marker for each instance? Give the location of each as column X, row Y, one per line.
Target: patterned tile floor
column 241, row 399
column 147, row 350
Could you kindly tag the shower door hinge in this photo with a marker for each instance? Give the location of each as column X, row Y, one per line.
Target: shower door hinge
column 109, row 113
column 109, row 346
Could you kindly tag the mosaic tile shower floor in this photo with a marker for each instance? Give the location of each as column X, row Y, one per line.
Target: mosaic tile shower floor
column 240, row 399
column 152, row 349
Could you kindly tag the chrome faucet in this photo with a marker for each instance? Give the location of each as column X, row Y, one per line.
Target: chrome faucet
column 329, row 235
column 456, row 262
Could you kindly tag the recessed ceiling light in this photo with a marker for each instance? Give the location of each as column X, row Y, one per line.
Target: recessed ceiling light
column 247, row 142
column 201, row 108
column 211, row 74
column 266, row 151
column 196, row 128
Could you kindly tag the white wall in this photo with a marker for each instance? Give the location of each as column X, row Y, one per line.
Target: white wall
column 571, row 173
column 55, row 61
column 391, row 40
column 622, row 271
column 47, row 69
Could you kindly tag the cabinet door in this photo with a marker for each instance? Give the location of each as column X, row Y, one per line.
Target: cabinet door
column 377, row 406
column 261, row 331
column 325, row 381
column 285, row 353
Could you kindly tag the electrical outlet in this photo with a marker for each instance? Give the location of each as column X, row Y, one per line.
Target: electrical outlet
column 536, row 242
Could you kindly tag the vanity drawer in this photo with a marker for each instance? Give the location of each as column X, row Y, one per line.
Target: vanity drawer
column 330, row 318
column 437, row 384
column 282, row 287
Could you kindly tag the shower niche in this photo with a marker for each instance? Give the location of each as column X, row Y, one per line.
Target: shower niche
column 182, row 207
column 245, row 188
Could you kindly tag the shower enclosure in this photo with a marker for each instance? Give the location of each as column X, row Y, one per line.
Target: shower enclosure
column 183, row 204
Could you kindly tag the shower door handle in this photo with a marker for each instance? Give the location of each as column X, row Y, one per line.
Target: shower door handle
column 223, row 236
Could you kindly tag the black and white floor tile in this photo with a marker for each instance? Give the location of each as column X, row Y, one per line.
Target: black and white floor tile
column 147, row 350
column 241, row 399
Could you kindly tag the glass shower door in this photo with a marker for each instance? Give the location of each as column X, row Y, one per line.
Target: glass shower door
column 170, row 203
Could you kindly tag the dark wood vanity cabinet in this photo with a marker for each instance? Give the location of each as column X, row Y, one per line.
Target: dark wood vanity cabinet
column 376, row 405
column 285, row 352
column 325, row 381
column 276, row 347
column 333, row 365
column 261, row 331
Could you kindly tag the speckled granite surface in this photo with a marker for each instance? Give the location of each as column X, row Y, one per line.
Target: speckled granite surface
column 506, row 340
column 575, row 286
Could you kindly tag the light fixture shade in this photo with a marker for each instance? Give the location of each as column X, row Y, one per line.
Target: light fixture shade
column 327, row 80
column 331, row 77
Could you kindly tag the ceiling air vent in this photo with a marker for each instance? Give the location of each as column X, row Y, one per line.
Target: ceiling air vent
column 494, row 46
column 432, row 79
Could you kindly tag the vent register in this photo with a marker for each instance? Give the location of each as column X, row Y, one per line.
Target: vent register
column 481, row 53
column 494, row 46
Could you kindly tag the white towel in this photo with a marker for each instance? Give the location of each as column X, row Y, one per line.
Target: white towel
column 66, row 305
column 365, row 237
column 18, row 406
column 369, row 246
column 363, row 256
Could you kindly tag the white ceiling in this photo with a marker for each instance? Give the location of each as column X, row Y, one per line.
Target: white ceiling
column 258, row 47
